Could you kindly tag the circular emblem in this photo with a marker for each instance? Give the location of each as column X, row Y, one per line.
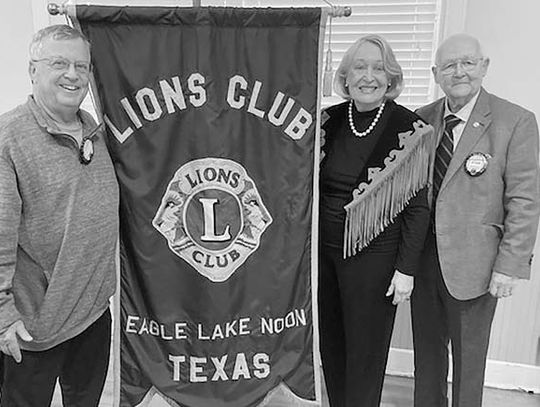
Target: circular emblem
column 212, row 216
column 476, row 164
column 86, row 151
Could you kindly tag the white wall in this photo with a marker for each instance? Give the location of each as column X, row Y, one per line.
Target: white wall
column 509, row 32
column 16, row 28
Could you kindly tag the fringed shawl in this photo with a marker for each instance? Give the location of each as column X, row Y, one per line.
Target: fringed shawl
column 388, row 189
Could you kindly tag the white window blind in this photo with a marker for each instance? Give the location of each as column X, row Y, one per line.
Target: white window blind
column 410, row 26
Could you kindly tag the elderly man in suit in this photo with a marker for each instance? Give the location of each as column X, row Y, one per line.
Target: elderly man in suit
column 485, row 205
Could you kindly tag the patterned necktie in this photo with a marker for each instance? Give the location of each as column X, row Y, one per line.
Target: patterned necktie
column 444, row 153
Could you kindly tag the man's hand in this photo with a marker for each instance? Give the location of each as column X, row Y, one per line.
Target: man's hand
column 401, row 286
column 502, row 285
column 9, row 342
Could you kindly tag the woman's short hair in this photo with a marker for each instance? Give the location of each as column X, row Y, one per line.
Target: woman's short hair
column 55, row 32
column 390, row 65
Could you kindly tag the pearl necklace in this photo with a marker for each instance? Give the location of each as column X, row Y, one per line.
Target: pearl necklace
column 371, row 126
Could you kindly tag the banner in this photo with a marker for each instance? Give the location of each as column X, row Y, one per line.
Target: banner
column 212, row 123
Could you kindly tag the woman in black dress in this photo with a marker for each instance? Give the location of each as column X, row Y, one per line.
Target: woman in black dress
column 373, row 219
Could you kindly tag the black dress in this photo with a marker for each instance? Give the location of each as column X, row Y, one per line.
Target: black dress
column 356, row 318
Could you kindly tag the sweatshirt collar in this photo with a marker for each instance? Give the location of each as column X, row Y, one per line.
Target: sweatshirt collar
column 42, row 118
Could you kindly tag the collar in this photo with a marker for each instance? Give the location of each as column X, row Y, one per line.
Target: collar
column 465, row 112
column 89, row 128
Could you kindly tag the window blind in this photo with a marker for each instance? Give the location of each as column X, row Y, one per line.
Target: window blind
column 410, row 26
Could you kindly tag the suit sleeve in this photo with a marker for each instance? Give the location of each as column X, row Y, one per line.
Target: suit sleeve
column 414, row 225
column 521, row 200
column 10, row 212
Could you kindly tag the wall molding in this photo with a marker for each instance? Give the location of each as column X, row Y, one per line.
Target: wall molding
column 499, row 375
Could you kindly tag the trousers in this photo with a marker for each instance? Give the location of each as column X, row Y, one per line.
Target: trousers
column 356, row 323
column 79, row 363
column 439, row 319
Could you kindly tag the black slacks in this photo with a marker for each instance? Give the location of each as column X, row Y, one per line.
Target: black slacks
column 80, row 363
column 438, row 318
column 356, row 322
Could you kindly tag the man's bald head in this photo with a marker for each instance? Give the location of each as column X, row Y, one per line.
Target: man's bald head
column 460, row 67
column 457, row 43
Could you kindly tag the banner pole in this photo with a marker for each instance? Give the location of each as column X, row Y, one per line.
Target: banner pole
column 55, row 9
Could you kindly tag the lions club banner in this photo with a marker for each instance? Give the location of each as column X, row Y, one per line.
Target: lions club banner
column 211, row 117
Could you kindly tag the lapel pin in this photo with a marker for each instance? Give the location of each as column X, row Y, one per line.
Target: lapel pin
column 476, row 164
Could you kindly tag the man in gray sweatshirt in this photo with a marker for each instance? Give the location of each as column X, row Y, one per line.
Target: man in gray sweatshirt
column 58, row 231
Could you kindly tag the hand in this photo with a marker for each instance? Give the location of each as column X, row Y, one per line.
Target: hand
column 9, row 343
column 401, row 286
column 502, row 285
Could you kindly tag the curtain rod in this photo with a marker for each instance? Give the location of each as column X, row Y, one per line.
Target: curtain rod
column 56, row 9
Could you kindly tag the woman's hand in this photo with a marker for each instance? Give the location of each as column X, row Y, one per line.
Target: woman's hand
column 401, row 286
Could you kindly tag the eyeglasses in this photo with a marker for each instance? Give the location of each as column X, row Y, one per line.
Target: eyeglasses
column 468, row 65
column 63, row 64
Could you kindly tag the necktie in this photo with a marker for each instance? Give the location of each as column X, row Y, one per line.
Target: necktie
column 444, row 153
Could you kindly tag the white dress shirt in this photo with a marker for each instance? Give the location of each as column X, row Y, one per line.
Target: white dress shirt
column 464, row 113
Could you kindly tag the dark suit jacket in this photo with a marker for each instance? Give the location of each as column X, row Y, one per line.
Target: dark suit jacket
column 488, row 223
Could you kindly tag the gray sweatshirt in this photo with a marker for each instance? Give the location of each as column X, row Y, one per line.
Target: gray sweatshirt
column 58, row 227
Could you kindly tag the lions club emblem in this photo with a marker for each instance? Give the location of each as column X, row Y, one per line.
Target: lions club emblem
column 212, row 216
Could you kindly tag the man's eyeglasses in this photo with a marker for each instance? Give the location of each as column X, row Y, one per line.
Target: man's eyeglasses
column 63, row 64
column 468, row 65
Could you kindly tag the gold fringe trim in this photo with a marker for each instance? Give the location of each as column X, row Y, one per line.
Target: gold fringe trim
column 388, row 190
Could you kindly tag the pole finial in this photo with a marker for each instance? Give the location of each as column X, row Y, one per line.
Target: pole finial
column 55, row 9
column 340, row 11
